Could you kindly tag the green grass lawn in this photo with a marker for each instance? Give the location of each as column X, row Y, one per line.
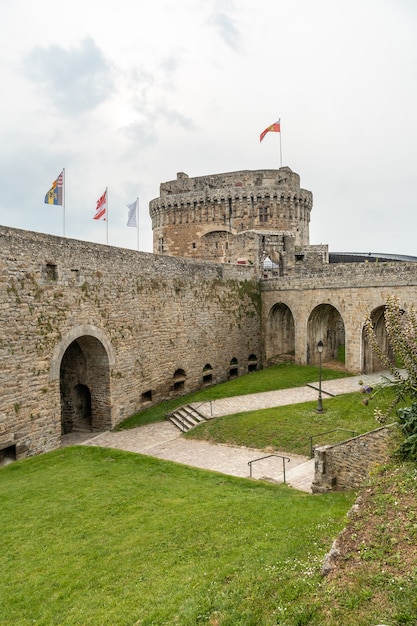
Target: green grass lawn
column 97, row 537
column 102, row 537
column 289, row 428
column 280, row 376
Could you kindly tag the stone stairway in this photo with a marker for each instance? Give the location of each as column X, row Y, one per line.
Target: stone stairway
column 185, row 417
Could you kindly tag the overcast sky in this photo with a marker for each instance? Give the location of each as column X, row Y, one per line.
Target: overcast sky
column 124, row 94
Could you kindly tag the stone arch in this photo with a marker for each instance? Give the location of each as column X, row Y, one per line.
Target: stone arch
column 207, row 374
column 82, row 364
column 179, row 380
column 85, row 386
column 234, row 368
column 215, row 244
column 280, row 335
column 75, row 333
column 370, row 361
column 252, row 363
column 325, row 324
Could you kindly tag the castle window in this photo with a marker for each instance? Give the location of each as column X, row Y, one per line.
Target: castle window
column 7, row 454
column 147, row 396
column 207, row 374
column 263, row 214
column 253, row 363
column 179, row 380
column 51, row 273
column 194, row 245
column 234, row 370
column 161, row 245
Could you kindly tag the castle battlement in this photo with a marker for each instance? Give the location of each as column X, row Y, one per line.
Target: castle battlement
column 219, row 217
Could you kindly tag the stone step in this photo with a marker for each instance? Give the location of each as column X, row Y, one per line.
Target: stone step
column 186, row 417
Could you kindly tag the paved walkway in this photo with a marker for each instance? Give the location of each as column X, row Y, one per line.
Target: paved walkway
column 163, row 440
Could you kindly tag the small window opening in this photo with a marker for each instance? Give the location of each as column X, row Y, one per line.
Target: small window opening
column 263, row 214
column 179, row 380
column 147, row 396
column 7, row 455
column 253, row 363
column 51, row 272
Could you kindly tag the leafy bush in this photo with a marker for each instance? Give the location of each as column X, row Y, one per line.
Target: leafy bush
column 407, row 419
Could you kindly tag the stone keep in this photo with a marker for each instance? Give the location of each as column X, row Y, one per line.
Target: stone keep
column 233, row 217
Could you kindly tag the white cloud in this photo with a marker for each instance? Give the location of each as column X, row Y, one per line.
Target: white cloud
column 125, row 95
column 76, row 79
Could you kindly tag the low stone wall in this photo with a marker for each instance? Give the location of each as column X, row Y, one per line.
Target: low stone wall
column 344, row 466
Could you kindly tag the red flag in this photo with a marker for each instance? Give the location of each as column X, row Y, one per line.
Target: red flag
column 274, row 128
column 101, row 207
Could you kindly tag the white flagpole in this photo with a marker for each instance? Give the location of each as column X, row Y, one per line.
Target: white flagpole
column 137, row 221
column 63, row 200
column 280, row 143
column 107, row 215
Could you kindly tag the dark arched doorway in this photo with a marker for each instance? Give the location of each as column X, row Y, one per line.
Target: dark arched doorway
column 370, row 360
column 85, row 386
column 326, row 324
column 280, row 337
column 82, row 397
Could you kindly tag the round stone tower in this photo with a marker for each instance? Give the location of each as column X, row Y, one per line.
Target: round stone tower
column 230, row 217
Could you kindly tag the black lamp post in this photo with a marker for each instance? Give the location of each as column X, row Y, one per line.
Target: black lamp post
column 320, row 347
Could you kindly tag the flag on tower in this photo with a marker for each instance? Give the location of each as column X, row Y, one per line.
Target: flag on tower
column 274, row 128
column 55, row 194
column 133, row 209
column 101, row 207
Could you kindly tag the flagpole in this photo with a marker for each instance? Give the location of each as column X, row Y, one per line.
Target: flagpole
column 107, row 215
column 63, row 200
column 137, row 221
column 280, row 143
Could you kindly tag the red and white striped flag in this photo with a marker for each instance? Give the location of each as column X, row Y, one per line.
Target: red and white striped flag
column 101, row 207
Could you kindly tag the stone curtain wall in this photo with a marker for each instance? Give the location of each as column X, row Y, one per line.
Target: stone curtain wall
column 353, row 289
column 346, row 465
column 152, row 316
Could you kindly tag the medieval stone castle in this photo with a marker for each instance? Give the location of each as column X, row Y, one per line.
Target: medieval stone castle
column 92, row 333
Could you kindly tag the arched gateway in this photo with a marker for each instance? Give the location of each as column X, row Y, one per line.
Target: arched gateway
column 82, row 362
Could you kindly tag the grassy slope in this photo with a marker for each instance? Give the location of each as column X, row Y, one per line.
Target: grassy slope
column 375, row 580
column 289, row 427
column 93, row 536
column 280, row 376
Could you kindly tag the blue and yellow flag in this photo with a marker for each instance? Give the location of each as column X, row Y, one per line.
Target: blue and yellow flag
column 55, row 195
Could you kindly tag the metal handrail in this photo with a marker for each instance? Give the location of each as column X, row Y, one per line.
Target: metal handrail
column 352, row 432
column 284, row 458
column 201, row 404
column 180, row 419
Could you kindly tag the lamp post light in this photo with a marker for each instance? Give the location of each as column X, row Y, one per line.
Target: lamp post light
column 320, row 347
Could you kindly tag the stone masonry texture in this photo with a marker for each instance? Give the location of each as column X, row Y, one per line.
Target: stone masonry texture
column 146, row 326
column 96, row 332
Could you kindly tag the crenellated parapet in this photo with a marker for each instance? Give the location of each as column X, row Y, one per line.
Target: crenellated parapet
column 213, row 217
